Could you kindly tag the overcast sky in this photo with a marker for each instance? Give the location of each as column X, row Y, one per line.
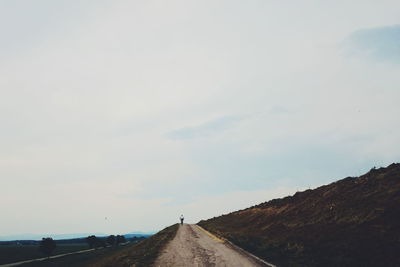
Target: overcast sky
column 118, row 116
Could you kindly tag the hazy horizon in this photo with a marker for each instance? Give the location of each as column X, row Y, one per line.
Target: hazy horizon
column 39, row 236
column 122, row 115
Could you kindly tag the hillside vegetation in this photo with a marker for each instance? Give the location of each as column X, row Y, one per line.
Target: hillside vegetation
column 143, row 253
column 351, row 222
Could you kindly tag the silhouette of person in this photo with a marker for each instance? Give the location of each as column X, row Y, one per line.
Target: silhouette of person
column 181, row 218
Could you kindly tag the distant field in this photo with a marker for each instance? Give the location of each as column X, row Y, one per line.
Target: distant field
column 14, row 253
column 79, row 260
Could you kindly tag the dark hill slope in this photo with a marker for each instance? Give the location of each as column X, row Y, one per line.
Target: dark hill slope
column 142, row 254
column 351, row 222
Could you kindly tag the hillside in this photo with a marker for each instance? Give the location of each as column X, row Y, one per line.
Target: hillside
column 351, row 222
column 143, row 253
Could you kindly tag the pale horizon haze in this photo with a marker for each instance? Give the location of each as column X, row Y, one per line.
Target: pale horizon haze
column 119, row 116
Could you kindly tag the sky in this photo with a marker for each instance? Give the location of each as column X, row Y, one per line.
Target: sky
column 118, row 116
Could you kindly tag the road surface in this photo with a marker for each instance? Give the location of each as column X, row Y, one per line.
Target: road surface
column 194, row 246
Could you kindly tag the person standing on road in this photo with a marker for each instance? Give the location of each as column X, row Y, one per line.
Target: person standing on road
column 181, row 218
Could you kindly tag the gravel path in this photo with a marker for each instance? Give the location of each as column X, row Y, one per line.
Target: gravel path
column 194, row 246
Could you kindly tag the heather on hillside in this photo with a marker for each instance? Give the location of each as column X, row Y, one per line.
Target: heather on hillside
column 352, row 222
column 143, row 253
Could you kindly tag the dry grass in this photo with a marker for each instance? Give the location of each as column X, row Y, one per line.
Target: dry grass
column 352, row 222
column 143, row 253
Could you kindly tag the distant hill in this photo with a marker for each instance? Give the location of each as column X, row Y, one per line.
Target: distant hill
column 138, row 235
column 351, row 222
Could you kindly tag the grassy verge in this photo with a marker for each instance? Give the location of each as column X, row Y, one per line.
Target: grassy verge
column 143, row 253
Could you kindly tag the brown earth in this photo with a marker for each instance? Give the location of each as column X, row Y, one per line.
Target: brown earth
column 351, row 222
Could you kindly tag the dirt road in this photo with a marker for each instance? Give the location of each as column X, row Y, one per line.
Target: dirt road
column 194, row 246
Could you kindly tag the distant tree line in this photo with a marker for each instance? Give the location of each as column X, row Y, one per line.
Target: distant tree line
column 47, row 245
column 112, row 240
